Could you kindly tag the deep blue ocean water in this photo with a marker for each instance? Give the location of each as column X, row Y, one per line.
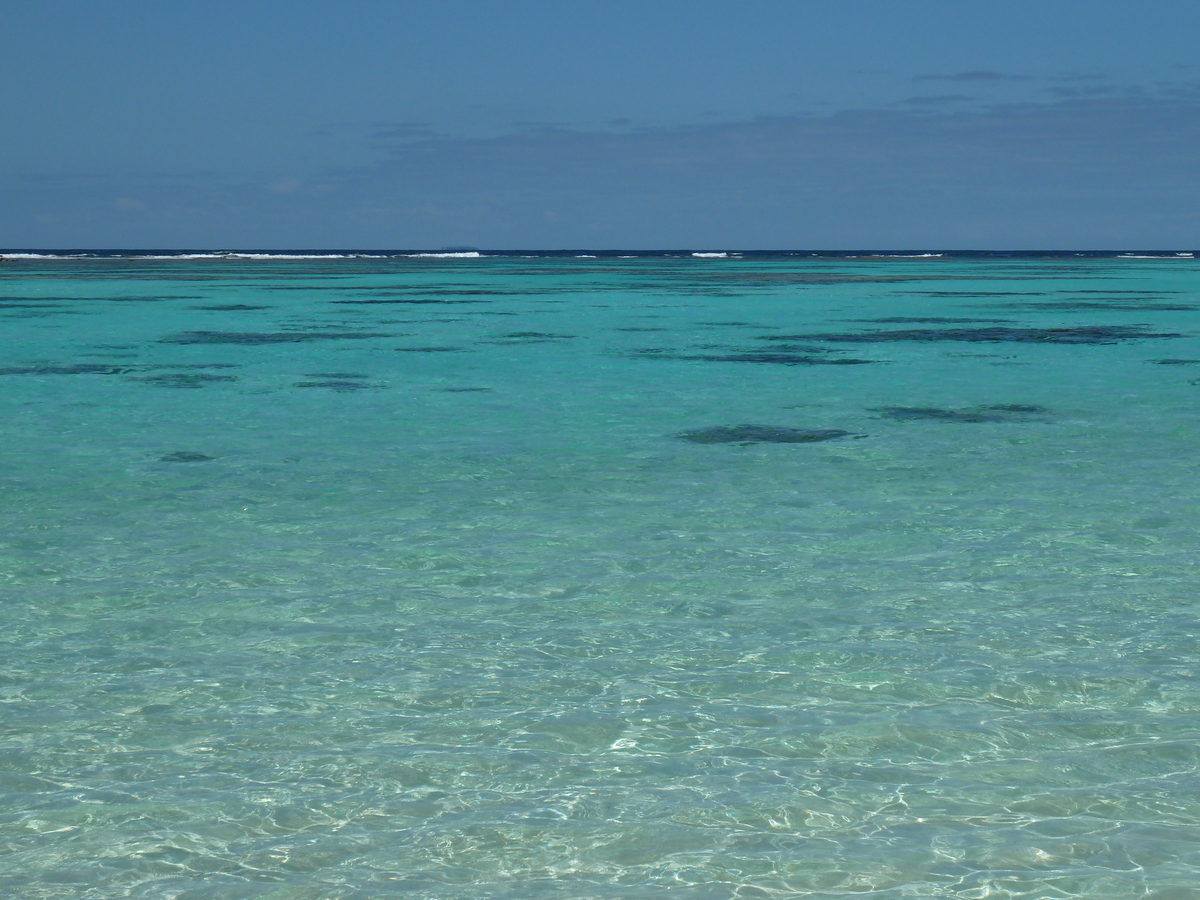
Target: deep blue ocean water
column 560, row 577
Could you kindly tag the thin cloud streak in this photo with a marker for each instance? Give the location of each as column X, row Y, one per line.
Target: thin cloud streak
column 1084, row 172
column 1087, row 172
column 978, row 75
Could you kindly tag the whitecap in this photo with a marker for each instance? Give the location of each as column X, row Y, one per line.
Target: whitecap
column 236, row 255
column 711, row 255
column 4, row 255
column 466, row 254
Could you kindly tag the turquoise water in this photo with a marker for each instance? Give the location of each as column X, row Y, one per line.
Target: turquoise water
column 455, row 578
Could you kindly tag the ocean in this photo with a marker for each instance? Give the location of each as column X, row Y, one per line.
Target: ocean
column 611, row 576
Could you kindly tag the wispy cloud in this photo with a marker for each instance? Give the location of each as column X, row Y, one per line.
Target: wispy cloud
column 973, row 75
column 1088, row 170
column 1081, row 172
column 1085, row 90
column 937, row 99
column 402, row 131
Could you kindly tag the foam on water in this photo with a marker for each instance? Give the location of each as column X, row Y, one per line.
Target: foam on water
column 360, row 578
column 10, row 254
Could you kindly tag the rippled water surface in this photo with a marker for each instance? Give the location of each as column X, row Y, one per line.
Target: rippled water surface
column 599, row 578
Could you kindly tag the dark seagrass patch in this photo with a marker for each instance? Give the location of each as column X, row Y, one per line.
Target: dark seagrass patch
column 1082, row 334
column 1005, row 412
column 73, row 369
column 253, row 338
column 181, row 456
column 231, row 307
column 182, row 379
column 762, row 434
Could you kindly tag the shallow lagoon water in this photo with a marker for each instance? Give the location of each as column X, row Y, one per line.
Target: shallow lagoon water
column 359, row 578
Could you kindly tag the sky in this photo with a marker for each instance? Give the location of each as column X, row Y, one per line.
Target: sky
column 865, row 124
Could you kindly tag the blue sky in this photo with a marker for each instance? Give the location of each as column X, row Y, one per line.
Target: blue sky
column 1009, row 125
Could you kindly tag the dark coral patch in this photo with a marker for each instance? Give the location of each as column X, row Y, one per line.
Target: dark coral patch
column 781, row 359
column 756, row 434
column 147, row 299
column 976, row 293
column 752, row 278
column 251, row 338
column 40, row 300
column 406, row 291
column 1006, row 412
column 186, row 456
column 1176, row 362
column 529, row 337
column 340, row 385
column 407, row 300
column 103, row 368
column 76, row 369
column 1082, row 334
column 428, row 349
column 1099, row 306
column 40, row 313
column 231, row 307
column 927, row 320
column 183, row 379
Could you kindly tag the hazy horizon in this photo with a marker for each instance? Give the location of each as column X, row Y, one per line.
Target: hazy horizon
column 265, row 125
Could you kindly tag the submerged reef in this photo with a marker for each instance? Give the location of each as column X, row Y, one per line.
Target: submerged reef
column 1101, row 306
column 121, row 369
column 406, row 300
column 529, row 337
column 783, row 357
column 1081, row 334
column 182, row 379
column 185, row 456
column 766, row 434
column 1006, row 412
column 231, row 307
column 265, row 337
column 930, row 320
column 341, row 382
column 74, row 369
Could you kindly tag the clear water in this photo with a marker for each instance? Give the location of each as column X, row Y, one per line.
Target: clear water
column 331, row 614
